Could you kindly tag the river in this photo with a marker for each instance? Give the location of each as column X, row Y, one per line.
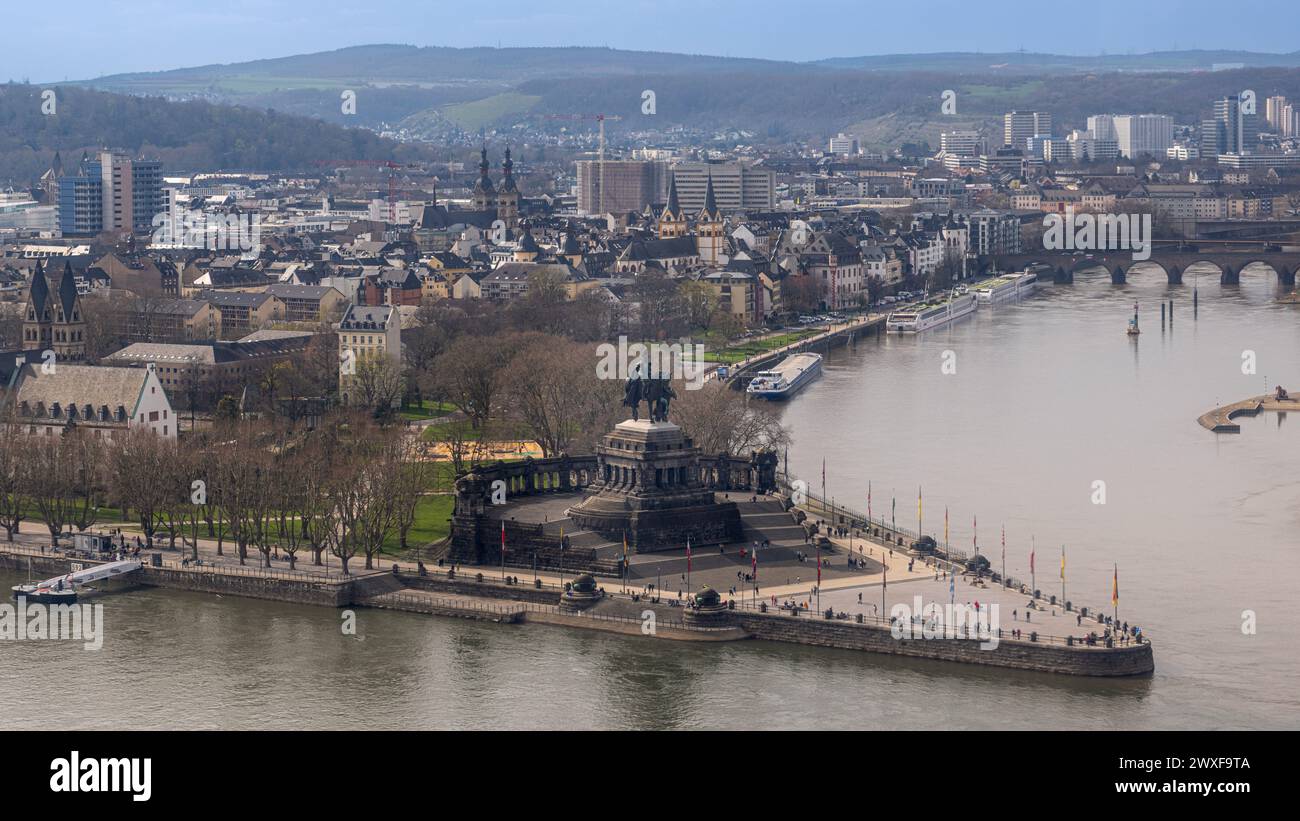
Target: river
column 1049, row 396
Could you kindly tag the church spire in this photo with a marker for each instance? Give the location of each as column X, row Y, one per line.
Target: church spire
column 710, row 211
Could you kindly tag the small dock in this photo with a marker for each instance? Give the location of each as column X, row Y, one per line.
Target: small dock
column 1221, row 420
column 94, row 573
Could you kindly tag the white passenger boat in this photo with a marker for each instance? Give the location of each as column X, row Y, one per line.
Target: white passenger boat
column 1007, row 286
column 787, row 378
column 931, row 314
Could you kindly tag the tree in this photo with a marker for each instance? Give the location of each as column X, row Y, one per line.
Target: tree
column 698, row 302
column 469, row 375
column 660, row 305
column 414, row 476
column 54, row 481
column 720, row 419
column 377, row 383
column 141, row 479
column 553, row 388
column 15, row 475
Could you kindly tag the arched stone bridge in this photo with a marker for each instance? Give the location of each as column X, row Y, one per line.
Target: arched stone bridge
column 1064, row 265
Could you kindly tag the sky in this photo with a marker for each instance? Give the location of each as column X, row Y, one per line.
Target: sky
column 81, row 39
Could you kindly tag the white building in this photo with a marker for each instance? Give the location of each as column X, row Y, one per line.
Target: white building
column 843, row 144
column 105, row 400
column 1136, row 134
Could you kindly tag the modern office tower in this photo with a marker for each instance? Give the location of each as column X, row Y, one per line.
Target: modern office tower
column 1239, row 129
column 1135, row 134
column 1139, row 134
column 630, row 185
column 736, row 186
column 1273, row 111
column 1018, row 126
column 111, row 192
column 961, row 143
column 843, row 144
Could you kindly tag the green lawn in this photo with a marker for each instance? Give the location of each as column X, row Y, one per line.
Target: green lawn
column 431, row 525
column 745, row 350
column 426, row 410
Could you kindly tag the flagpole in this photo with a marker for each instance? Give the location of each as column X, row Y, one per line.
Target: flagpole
column 503, row 550
column 918, row 511
column 884, row 582
column 1063, row 576
column 1033, row 548
column 1114, row 599
column 1004, row 555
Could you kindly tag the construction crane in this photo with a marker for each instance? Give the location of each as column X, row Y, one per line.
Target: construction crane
column 392, row 174
column 600, row 162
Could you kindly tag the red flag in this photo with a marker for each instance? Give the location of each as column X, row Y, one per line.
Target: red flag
column 1031, row 561
column 754, row 564
column 1114, row 591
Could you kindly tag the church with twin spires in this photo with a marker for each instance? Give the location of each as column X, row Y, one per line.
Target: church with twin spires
column 53, row 320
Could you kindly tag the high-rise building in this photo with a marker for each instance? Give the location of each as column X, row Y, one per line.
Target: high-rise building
column 1273, row 111
column 736, row 186
column 1237, row 131
column 111, row 192
column 1135, row 134
column 1019, row 126
column 630, row 185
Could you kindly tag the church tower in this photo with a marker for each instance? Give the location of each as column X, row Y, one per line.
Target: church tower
column 38, row 318
column 709, row 228
column 69, row 328
column 508, row 198
column 672, row 222
column 485, row 196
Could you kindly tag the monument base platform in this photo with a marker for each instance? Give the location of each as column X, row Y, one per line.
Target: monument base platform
column 649, row 491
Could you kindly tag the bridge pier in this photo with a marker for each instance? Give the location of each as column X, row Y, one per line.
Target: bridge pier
column 1287, row 276
column 1117, row 276
column 1175, row 275
column 1064, row 277
column 1230, row 276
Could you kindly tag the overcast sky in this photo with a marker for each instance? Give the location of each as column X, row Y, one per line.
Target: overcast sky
column 79, row 39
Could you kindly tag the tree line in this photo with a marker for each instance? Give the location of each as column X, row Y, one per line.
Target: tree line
column 343, row 488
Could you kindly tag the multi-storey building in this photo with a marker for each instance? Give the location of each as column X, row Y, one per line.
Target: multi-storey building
column 629, row 185
column 1018, row 126
column 111, row 193
column 737, row 186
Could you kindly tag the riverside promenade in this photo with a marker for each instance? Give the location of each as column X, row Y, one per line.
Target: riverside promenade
column 790, row 610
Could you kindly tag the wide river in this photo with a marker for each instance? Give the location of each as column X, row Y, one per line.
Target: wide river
column 1049, row 396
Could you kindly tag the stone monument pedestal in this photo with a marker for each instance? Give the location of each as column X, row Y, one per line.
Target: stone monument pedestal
column 648, row 489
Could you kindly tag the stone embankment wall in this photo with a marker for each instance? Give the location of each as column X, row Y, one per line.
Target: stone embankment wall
column 1131, row 660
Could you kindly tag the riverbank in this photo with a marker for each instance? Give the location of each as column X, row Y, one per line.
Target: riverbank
column 475, row 595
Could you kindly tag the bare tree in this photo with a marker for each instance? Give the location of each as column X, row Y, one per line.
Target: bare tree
column 720, row 419
column 141, row 478
column 15, row 488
